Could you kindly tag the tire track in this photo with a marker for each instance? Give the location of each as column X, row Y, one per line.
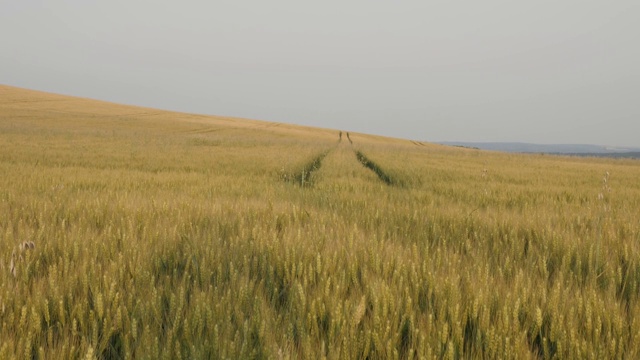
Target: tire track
column 210, row 129
column 206, row 130
column 381, row 173
column 304, row 176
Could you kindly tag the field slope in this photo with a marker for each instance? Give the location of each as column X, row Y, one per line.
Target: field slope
column 128, row 232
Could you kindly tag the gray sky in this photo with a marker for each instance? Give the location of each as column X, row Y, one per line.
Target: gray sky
column 536, row 71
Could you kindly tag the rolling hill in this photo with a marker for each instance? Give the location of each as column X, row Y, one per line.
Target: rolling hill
column 128, row 232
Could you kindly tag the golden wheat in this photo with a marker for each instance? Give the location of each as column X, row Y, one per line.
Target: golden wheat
column 168, row 235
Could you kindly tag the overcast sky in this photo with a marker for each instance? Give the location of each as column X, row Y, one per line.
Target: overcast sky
column 534, row 71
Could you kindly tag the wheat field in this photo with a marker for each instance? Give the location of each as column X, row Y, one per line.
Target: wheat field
column 128, row 232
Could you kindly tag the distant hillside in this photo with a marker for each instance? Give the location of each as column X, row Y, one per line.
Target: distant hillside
column 619, row 155
column 567, row 149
